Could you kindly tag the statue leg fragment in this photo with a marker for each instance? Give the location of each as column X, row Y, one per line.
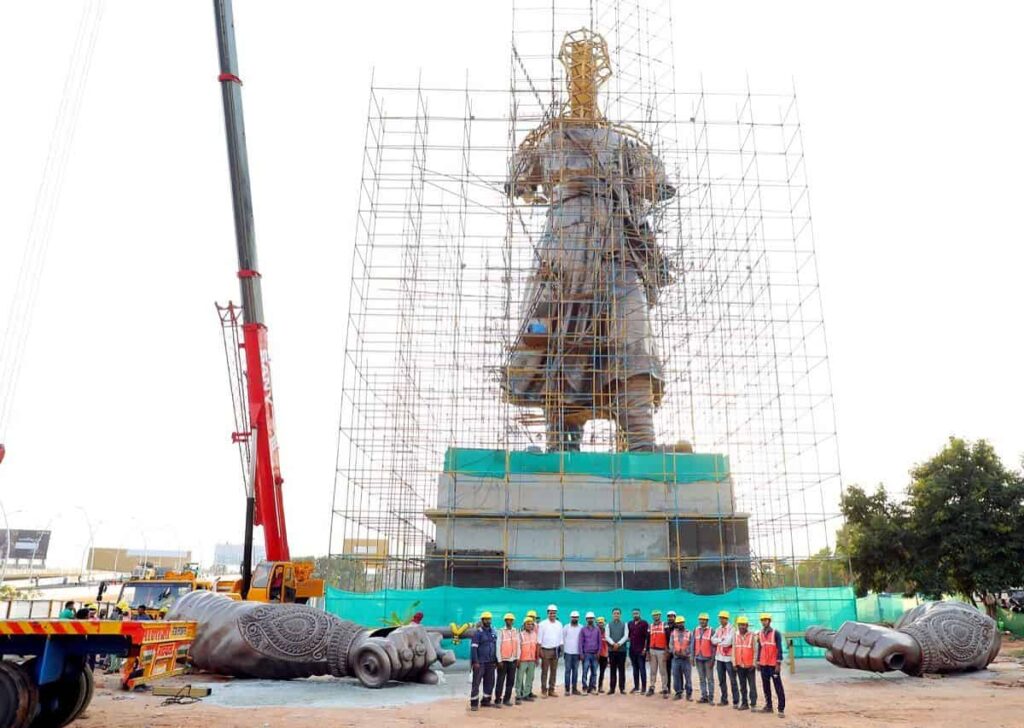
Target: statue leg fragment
column 633, row 409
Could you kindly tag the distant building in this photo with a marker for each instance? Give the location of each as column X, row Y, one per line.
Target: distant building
column 227, row 557
column 127, row 560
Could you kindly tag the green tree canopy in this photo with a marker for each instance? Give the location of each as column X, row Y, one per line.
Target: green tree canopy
column 960, row 529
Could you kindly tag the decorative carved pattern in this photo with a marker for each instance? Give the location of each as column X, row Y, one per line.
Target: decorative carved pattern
column 288, row 632
column 952, row 636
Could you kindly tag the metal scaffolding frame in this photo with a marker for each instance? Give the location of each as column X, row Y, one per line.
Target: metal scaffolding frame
column 442, row 264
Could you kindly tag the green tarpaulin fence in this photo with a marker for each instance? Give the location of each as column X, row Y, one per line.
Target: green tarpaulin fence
column 792, row 609
column 884, row 608
column 665, row 467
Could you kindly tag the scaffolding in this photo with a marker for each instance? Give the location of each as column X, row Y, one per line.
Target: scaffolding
column 447, row 308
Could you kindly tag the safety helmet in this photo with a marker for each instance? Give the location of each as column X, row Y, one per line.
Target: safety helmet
column 767, row 616
column 742, row 620
column 552, row 608
column 123, row 605
column 532, row 613
column 655, row 612
column 600, row 620
column 723, row 613
column 509, row 615
column 90, row 605
column 590, row 615
column 703, row 615
column 528, row 620
column 680, row 618
column 164, row 610
column 574, row 613
column 485, row 615
column 670, row 613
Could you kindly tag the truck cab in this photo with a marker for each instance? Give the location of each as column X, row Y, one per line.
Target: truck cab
column 284, row 582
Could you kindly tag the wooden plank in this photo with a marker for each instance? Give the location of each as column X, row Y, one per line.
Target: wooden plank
column 185, row 691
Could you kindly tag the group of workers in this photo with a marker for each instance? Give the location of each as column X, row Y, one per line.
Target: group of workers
column 506, row 659
column 122, row 611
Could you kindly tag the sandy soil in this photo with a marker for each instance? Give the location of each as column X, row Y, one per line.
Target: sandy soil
column 818, row 695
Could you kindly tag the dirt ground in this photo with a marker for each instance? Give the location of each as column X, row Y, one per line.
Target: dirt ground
column 817, row 695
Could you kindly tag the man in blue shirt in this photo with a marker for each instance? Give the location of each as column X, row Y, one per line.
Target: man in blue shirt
column 483, row 658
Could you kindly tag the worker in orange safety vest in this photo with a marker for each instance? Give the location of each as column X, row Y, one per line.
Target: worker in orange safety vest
column 657, row 654
column 743, row 647
column 508, row 660
column 768, row 658
column 529, row 658
column 704, row 658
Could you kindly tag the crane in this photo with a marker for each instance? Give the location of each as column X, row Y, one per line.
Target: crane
column 255, row 429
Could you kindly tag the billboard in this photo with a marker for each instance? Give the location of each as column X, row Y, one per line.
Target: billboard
column 25, row 544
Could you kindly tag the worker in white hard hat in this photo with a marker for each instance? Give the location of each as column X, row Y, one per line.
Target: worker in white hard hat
column 549, row 637
column 590, row 648
column 571, row 652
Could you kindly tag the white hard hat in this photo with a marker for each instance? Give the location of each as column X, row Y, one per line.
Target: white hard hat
column 670, row 612
column 574, row 613
column 590, row 615
column 552, row 608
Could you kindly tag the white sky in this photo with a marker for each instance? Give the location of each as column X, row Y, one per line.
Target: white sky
column 912, row 115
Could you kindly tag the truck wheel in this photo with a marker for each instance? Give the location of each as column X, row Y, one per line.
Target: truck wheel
column 8, row 698
column 62, row 701
column 27, row 697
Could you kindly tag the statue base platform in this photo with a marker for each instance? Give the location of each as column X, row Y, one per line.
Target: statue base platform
column 587, row 521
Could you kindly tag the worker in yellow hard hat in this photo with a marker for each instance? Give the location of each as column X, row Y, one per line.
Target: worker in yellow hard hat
column 722, row 639
column 483, row 657
column 743, row 648
column 529, row 658
column 768, row 658
column 680, row 647
column 704, row 658
column 508, row 659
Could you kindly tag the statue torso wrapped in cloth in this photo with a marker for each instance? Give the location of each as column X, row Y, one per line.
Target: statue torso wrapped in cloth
column 585, row 348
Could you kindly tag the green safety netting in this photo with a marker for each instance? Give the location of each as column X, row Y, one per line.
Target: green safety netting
column 884, row 608
column 663, row 466
column 792, row 609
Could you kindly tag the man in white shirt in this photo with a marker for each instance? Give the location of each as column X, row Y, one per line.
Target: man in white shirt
column 549, row 636
column 571, row 648
column 722, row 640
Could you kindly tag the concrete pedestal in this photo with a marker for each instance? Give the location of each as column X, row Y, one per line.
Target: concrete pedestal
column 587, row 521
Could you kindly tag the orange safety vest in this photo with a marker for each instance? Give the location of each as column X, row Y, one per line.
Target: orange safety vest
column 744, row 645
column 723, row 650
column 702, row 642
column 680, row 637
column 658, row 636
column 509, row 638
column 769, row 649
column 528, row 646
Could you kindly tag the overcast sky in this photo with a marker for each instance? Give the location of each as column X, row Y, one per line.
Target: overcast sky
column 911, row 113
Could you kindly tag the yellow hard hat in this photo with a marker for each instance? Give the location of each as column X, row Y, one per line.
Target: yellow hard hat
column 655, row 612
column 123, row 605
column 680, row 618
column 703, row 615
column 509, row 615
column 485, row 615
column 90, row 605
column 723, row 613
column 164, row 610
column 600, row 620
column 532, row 613
column 742, row 620
column 528, row 620
column 767, row 616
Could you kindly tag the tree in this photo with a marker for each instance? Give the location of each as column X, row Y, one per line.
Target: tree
column 339, row 572
column 875, row 538
column 960, row 530
column 966, row 519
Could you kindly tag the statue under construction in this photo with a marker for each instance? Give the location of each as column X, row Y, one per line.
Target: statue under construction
column 585, row 350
